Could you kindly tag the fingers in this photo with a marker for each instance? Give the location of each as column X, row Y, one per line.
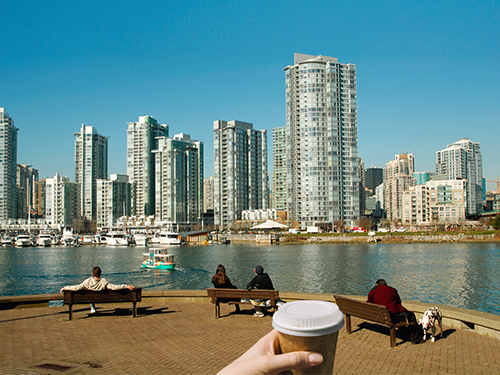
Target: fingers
column 293, row 360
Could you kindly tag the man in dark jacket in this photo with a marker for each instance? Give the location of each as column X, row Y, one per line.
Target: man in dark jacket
column 260, row 281
column 382, row 294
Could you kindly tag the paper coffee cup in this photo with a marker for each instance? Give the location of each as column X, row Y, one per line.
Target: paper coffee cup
column 312, row 326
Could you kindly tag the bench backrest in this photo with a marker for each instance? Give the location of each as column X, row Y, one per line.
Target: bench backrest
column 88, row 296
column 370, row 311
column 215, row 293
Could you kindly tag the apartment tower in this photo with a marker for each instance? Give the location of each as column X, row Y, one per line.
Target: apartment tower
column 279, row 169
column 398, row 177
column 141, row 141
column 91, row 164
column 463, row 160
column 241, row 180
column 8, row 164
column 322, row 141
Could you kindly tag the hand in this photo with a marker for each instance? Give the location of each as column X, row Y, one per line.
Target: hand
column 265, row 358
column 62, row 290
column 131, row 287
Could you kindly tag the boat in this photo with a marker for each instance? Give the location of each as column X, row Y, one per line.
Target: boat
column 23, row 240
column 169, row 238
column 224, row 241
column 141, row 239
column 117, row 238
column 158, row 259
column 44, row 239
column 7, row 241
column 67, row 238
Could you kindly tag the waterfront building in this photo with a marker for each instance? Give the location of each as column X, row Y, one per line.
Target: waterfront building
column 373, row 177
column 322, row 141
column 8, row 164
column 279, row 169
column 61, row 201
column 241, row 180
column 39, row 199
column 463, row 159
column 179, row 180
column 208, row 194
column 398, row 177
column 26, row 176
column 362, row 192
column 91, row 164
column 422, row 177
column 113, row 200
column 438, row 201
column 141, row 141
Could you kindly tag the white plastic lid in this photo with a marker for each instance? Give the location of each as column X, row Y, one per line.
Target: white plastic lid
column 308, row 318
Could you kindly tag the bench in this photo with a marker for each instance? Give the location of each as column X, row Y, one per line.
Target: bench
column 235, row 296
column 368, row 311
column 78, row 297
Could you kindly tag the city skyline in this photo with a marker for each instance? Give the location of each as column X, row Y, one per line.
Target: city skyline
column 426, row 73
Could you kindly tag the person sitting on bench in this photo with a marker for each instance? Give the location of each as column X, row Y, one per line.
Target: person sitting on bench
column 96, row 283
column 382, row 294
column 220, row 280
column 260, row 281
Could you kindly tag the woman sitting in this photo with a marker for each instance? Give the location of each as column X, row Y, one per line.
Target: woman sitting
column 220, row 280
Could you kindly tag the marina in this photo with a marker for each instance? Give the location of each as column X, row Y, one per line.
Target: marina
column 460, row 275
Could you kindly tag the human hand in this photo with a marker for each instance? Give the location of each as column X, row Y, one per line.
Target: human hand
column 131, row 287
column 62, row 290
column 265, row 358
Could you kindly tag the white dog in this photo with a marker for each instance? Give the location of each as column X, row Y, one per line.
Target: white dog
column 429, row 320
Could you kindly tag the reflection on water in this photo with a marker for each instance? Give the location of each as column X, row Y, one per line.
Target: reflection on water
column 462, row 275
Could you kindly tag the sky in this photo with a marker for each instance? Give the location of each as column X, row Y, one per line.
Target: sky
column 427, row 72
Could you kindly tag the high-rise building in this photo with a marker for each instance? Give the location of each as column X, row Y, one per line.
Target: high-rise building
column 26, row 176
column 208, row 194
column 322, row 141
column 141, row 141
column 422, row 177
column 179, row 180
column 463, row 160
column 91, row 164
column 39, row 199
column 113, row 200
column 8, row 163
column 373, row 177
column 398, row 177
column 241, row 180
column 60, row 201
column 279, row 169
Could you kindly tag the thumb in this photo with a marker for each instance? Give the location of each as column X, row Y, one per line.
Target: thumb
column 294, row 360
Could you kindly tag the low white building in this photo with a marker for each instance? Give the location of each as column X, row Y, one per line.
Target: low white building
column 113, row 200
column 269, row 214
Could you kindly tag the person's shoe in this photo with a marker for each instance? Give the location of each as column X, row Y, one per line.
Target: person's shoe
column 259, row 314
column 92, row 310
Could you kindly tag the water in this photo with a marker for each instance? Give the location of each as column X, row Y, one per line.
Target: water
column 461, row 275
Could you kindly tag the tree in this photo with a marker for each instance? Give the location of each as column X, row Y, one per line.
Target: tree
column 339, row 225
column 495, row 223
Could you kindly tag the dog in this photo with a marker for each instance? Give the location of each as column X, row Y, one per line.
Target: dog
column 429, row 320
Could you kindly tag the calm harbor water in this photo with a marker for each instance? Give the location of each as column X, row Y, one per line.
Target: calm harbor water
column 461, row 275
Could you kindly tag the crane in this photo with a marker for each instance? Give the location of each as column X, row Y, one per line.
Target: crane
column 498, row 184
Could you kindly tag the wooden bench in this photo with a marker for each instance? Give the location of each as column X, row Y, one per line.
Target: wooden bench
column 235, row 296
column 105, row 296
column 368, row 311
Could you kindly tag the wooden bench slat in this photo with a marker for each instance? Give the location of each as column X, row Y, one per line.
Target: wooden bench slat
column 236, row 295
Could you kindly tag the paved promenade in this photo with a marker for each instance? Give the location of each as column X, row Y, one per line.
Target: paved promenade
column 185, row 338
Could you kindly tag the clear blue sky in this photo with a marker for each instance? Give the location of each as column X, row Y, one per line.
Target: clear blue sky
column 428, row 72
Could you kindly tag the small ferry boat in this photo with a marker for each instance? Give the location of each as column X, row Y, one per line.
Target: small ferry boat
column 157, row 258
column 117, row 238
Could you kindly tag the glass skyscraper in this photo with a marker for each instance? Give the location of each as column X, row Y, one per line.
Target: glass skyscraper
column 322, row 141
column 8, row 163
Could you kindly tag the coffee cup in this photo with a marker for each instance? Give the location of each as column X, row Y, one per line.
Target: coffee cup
column 310, row 326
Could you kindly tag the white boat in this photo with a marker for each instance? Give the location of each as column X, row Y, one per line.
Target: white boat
column 141, row 239
column 44, row 239
column 169, row 238
column 67, row 238
column 117, row 238
column 23, row 240
column 7, row 241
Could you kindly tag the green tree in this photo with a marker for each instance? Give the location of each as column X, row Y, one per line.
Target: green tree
column 495, row 223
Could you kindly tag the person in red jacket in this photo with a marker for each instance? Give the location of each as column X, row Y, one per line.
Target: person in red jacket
column 382, row 294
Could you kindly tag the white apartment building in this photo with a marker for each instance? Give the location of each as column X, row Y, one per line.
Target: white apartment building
column 179, row 180
column 8, row 163
column 257, row 215
column 208, row 194
column 398, row 177
column 322, row 141
column 241, row 180
column 463, row 159
column 26, row 176
column 279, row 169
column 113, row 200
column 91, row 164
column 141, row 141
column 60, row 201
column 437, row 201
